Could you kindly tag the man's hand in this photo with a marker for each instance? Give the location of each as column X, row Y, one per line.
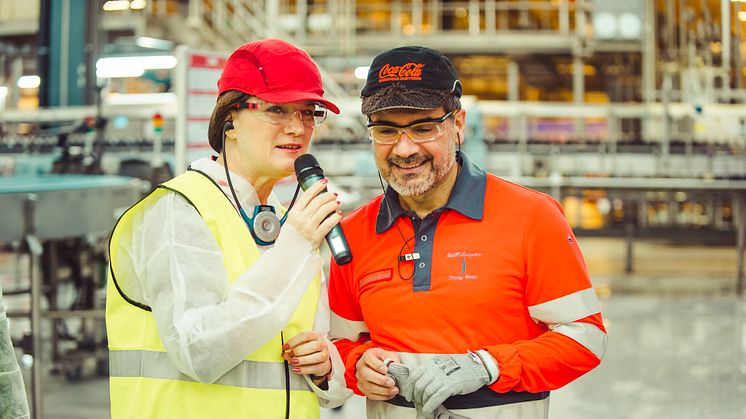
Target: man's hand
column 370, row 372
column 307, row 354
column 444, row 376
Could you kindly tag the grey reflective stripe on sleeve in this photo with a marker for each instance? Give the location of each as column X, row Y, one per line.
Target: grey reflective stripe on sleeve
column 586, row 334
column 346, row 329
column 247, row 374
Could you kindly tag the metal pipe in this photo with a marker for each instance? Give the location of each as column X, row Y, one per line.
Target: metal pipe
column 64, row 53
column 578, row 93
column 725, row 46
column 61, row 314
column 417, row 16
column 564, row 17
column 489, row 16
column 648, row 54
column 396, row 17
column 35, row 251
column 434, row 16
column 474, row 17
column 271, row 14
column 738, row 75
column 670, row 29
column 301, row 14
column 740, row 213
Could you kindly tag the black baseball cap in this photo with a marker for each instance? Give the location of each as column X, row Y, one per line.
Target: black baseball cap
column 410, row 68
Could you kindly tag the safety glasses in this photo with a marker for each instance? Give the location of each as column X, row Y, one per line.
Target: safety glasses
column 420, row 131
column 281, row 114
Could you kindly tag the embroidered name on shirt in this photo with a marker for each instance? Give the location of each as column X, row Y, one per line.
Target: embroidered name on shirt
column 464, row 256
column 377, row 276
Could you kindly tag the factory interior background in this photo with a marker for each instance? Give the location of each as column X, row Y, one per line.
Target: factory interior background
column 629, row 112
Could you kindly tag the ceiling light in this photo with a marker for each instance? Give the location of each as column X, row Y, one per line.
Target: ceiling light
column 116, row 5
column 361, row 73
column 133, row 66
column 742, row 15
column 630, row 26
column 153, row 43
column 29, row 82
column 138, row 4
column 113, row 72
column 605, row 25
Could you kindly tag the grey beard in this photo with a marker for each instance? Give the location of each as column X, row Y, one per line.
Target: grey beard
column 425, row 185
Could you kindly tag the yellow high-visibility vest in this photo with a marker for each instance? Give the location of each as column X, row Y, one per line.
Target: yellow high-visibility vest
column 144, row 383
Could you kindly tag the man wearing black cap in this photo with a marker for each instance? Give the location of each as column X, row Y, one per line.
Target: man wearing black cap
column 468, row 295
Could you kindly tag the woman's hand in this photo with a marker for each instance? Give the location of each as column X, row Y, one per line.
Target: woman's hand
column 315, row 213
column 308, row 354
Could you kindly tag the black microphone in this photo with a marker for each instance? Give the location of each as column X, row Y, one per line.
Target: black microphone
column 308, row 172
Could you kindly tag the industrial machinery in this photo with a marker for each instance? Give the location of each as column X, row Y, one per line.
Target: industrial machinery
column 58, row 224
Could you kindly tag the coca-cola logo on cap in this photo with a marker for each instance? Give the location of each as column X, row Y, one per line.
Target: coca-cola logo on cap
column 408, row 71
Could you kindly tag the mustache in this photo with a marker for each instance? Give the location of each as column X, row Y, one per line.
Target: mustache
column 412, row 160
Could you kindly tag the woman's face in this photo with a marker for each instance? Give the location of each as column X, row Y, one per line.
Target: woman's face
column 270, row 138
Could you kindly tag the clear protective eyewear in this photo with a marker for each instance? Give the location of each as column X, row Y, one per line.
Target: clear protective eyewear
column 281, row 114
column 421, row 131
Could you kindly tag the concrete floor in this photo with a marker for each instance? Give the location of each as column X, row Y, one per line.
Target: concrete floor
column 677, row 343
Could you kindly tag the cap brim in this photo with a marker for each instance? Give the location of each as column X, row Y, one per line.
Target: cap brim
column 384, row 102
column 288, row 97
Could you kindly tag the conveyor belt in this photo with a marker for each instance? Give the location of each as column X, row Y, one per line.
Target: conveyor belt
column 63, row 205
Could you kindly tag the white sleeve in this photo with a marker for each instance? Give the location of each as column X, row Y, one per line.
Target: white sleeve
column 337, row 391
column 206, row 325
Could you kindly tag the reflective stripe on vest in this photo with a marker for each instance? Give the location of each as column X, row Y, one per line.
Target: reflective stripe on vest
column 247, row 374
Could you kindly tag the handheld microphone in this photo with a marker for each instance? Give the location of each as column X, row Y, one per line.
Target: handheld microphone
column 308, row 172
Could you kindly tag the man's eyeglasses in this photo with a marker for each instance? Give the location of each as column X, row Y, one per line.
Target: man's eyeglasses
column 421, row 131
column 281, row 114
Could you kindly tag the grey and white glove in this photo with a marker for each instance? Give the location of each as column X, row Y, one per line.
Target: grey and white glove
column 400, row 374
column 444, row 376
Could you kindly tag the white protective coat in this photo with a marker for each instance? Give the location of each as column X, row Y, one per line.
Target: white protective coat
column 206, row 325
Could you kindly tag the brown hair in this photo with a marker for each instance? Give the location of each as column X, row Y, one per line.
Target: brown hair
column 222, row 114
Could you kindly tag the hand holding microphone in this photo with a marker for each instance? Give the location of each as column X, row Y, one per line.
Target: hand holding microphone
column 311, row 177
column 314, row 214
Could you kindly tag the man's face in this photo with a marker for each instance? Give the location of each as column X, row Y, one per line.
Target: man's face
column 411, row 168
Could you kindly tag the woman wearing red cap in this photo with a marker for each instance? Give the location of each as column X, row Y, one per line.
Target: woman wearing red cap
column 217, row 305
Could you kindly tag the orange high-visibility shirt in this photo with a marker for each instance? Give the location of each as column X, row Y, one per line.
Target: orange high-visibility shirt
column 499, row 269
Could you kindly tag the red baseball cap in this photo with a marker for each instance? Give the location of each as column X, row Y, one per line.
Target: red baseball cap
column 274, row 71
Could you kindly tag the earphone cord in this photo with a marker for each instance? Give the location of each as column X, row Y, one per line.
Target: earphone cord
column 230, row 184
column 227, row 173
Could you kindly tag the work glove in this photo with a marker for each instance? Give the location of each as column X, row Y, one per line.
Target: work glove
column 400, row 374
column 444, row 376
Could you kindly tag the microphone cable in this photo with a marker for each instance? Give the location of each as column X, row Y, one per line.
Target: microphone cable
column 287, row 378
column 404, row 239
column 390, row 213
